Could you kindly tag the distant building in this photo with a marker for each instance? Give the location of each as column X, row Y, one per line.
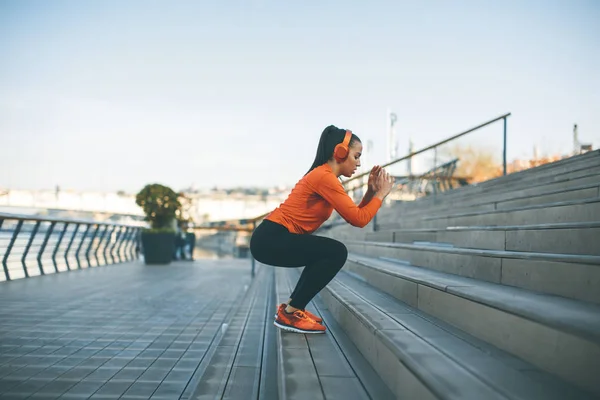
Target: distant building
column 211, row 205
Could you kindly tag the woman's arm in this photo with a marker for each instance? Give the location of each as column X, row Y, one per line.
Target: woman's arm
column 372, row 186
column 331, row 189
column 366, row 198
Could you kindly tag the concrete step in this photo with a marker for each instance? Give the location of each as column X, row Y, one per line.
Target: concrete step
column 557, row 335
column 581, row 180
column 586, row 210
column 573, row 171
column 530, row 198
column 413, row 215
column 569, row 238
column 269, row 385
column 571, row 276
column 503, row 186
column 422, row 357
column 589, row 160
column 231, row 368
column 497, row 202
column 321, row 366
column 297, row 374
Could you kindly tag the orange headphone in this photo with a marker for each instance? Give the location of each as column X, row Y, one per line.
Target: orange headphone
column 340, row 153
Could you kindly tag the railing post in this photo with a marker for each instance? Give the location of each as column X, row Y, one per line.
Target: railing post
column 62, row 234
column 43, row 247
column 69, row 246
column 504, row 155
column 33, row 233
column 99, row 244
column 10, row 246
column 131, row 245
column 87, row 252
column 81, row 245
column 128, row 244
column 136, row 244
column 123, row 239
column 107, row 244
column 112, row 249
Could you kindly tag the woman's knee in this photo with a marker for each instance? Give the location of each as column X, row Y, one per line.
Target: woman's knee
column 340, row 253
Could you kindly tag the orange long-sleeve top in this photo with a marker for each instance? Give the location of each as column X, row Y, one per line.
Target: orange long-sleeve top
column 314, row 198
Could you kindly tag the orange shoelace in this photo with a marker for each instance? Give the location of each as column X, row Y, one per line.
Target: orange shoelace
column 300, row 314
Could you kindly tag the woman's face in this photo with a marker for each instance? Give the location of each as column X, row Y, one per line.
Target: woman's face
column 352, row 162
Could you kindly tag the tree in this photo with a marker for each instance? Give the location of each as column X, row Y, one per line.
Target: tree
column 476, row 164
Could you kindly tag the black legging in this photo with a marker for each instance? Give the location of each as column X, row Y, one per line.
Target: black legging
column 321, row 257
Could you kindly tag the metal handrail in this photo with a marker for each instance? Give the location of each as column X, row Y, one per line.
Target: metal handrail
column 431, row 175
column 433, row 146
column 97, row 243
column 137, row 217
column 24, row 217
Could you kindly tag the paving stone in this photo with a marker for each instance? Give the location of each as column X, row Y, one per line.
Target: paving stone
column 97, row 336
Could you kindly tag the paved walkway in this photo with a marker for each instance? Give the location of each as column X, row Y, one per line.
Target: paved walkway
column 127, row 331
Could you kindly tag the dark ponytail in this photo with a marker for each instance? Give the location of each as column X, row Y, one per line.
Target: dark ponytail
column 330, row 137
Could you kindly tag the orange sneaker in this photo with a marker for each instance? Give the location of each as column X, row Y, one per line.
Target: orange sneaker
column 310, row 315
column 297, row 322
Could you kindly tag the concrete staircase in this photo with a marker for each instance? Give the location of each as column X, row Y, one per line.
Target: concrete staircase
column 321, row 366
column 488, row 291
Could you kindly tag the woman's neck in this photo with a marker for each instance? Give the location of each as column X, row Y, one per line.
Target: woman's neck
column 335, row 167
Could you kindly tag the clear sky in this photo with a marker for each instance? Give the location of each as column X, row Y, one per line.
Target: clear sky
column 111, row 95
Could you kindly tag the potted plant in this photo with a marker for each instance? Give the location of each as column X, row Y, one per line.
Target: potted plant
column 161, row 206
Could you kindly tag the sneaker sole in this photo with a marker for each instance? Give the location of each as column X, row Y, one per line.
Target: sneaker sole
column 292, row 329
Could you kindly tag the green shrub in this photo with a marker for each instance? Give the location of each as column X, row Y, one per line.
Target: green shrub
column 161, row 206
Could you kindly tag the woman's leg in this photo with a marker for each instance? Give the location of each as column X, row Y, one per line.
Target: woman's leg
column 321, row 257
column 320, row 271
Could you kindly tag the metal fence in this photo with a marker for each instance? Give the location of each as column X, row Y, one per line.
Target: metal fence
column 31, row 246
